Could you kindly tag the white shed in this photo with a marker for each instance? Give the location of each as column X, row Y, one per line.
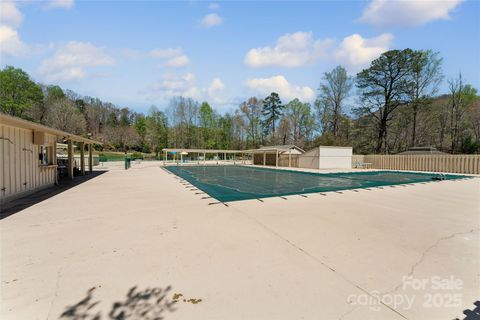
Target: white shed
column 326, row 157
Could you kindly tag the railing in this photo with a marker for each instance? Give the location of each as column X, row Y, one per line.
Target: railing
column 95, row 158
column 461, row 163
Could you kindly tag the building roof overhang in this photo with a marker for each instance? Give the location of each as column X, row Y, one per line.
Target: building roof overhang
column 25, row 124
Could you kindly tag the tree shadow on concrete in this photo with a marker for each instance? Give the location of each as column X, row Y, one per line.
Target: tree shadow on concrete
column 473, row 314
column 82, row 310
column 147, row 304
column 17, row 205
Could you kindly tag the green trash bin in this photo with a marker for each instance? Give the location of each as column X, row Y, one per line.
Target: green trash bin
column 127, row 162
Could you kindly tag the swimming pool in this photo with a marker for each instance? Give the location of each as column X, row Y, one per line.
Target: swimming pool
column 232, row 183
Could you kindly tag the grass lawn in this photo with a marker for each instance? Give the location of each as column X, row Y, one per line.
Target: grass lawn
column 119, row 156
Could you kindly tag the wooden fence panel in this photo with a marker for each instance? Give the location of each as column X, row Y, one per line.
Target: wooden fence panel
column 460, row 163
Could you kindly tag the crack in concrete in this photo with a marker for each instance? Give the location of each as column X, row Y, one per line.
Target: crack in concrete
column 342, row 316
column 426, row 252
column 55, row 295
column 322, row 263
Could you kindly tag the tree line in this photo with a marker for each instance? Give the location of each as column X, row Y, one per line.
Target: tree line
column 386, row 108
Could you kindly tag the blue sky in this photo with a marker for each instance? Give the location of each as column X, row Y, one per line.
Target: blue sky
column 139, row 53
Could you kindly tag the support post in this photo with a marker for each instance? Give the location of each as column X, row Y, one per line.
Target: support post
column 54, row 160
column 217, row 157
column 264, row 158
column 204, row 158
column 82, row 158
column 276, row 158
column 289, row 158
column 90, row 158
column 234, row 158
column 70, row 158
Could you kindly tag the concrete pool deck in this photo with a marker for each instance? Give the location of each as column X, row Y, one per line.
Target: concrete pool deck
column 319, row 257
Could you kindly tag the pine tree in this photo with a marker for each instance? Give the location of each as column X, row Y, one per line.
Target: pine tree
column 272, row 111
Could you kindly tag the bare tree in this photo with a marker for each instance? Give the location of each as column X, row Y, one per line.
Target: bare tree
column 334, row 89
column 252, row 112
column 122, row 138
column 184, row 116
column 474, row 116
column 63, row 115
column 461, row 97
column 156, row 129
column 300, row 119
column 426, row 76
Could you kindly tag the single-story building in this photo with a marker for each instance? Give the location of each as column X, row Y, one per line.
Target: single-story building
column 322, row 157
column 327, row 157
column 28, row 159
column 180, row 155
column 282, row 155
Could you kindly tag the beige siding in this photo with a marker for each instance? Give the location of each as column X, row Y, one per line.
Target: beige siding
column 458, row 163
column 326, row 157
column 283, row 160
column 332, row 157
column 20, row 170
column 309, row 159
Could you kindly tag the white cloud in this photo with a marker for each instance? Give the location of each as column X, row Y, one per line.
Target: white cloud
column 64, row 4
column 10, row 43
column 389, row 13
column 178, row 62
column 291, row 50
column 70, row 61
column 130, row 53
column 280, row 85
column 215, row 90
column 176, row 57
column 10, row 15
column 214, row 6
column 215, row 86
column 165, row 53
column 211, row 19
column 355, row 50
column 301, row 48
column 10, row 19
column 172, row 85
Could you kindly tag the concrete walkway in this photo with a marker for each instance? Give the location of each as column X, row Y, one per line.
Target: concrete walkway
column 328, row 256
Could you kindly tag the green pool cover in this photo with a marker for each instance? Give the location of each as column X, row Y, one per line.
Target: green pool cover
column 232, row 183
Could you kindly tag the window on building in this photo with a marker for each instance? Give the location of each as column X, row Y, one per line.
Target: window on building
column 45, row 156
